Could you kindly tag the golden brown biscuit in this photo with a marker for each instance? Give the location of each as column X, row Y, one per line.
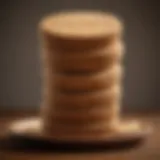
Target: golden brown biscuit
column 86, row 61
column 84, row 118
column 67, row 132
column 84, row 99
column 81, row 25
column 88, row 82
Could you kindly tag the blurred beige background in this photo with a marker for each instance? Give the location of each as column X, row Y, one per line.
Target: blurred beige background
column 20, row 80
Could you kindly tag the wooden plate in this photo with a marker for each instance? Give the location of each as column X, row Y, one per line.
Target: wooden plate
column 27, row 133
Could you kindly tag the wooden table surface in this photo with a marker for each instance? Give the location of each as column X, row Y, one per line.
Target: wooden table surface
column 150, row 150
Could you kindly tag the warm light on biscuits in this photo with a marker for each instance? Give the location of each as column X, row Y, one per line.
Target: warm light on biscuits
column 81, row 54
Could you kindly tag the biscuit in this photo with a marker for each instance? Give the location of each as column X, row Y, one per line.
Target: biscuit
column 81, row 25
column 85, row 117
column 88, row 82
column 83, row 99
column 100, row 129
column 86, row 61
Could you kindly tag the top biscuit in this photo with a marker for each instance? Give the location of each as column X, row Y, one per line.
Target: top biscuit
column 81, row 25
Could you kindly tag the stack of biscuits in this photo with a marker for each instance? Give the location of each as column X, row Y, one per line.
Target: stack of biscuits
column 82, row 73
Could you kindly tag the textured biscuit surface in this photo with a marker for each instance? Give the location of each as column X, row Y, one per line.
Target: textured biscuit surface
column 78, row 24
column 82, row 72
